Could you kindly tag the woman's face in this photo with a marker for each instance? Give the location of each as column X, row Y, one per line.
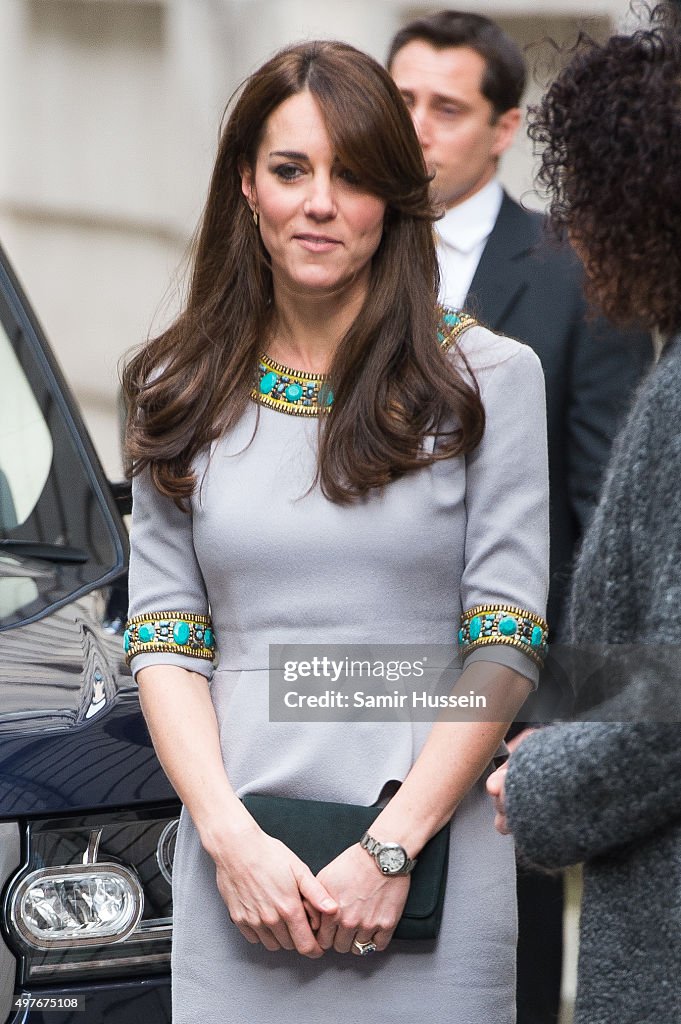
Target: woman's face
column 319, row 226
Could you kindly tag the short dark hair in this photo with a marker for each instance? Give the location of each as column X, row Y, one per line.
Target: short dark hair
column 503, row 82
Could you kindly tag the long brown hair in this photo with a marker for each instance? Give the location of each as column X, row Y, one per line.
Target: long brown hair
column 391, row 382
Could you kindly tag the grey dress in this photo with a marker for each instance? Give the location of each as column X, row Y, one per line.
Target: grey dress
column 277, row 563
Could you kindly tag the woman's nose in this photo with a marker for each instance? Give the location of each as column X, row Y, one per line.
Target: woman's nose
column 320, row 202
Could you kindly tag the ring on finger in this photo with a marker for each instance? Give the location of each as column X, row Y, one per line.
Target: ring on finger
column 364, row 948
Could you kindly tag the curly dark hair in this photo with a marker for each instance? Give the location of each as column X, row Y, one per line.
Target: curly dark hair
column 610, row 128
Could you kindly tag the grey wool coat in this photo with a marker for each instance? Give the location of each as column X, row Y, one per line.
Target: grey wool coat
column 608, row 793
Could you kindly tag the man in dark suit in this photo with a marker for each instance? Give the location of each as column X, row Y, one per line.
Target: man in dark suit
column 462, row 78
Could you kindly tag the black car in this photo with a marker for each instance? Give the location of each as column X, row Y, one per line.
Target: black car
column 87, row 817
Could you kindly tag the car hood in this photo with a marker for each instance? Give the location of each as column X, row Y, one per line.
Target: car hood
column 72, row 735
column 60, row 671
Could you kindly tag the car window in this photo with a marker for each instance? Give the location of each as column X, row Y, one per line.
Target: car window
column 25, row 442
column 60, row 532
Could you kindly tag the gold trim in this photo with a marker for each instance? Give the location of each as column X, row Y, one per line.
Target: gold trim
column 162, row 648
column 281, row 405
column 301, row 375
column 203, row 620
column 512, row 609
column 509, row 641
column 466, row 321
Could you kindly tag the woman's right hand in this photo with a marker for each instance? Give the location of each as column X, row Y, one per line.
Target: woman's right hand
column 263, row 885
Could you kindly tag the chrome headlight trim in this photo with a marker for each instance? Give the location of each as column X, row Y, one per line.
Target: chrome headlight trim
column 165, row 850
column 59, row 873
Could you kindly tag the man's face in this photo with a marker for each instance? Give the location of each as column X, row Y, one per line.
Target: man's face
column 462, row 138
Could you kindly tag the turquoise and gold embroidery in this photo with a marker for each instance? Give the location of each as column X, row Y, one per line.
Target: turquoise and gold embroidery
column 291, row 391
column 504, row 624
column 310, row 394
column 169, row 633
column 454, row 322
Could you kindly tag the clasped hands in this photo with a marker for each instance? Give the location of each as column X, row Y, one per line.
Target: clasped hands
column 274, row 899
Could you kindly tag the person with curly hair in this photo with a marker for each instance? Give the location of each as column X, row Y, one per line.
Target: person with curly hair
column 606, row 793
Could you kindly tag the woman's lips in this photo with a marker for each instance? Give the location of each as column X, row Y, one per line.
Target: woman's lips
column 317, row 243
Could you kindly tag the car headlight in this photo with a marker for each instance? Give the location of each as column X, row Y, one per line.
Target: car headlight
column 93, row 898
column 72, row 906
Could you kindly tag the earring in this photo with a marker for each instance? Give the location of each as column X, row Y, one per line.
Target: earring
column 255, row 217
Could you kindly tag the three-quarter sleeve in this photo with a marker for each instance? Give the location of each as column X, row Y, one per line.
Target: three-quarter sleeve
column 168, row 615
column 505, row 580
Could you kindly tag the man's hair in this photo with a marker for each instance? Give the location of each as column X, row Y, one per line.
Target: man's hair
column 504, row 79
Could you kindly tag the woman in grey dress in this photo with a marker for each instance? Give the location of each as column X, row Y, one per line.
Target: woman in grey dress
column 377, row 493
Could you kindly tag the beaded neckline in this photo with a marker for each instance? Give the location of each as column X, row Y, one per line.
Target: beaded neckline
column 300, row 393
column 296, row 392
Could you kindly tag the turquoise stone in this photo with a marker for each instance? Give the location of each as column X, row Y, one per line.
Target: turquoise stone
column 329, row 398
column 267, row 383
column 293, row 393
column 181, row 632
column 537, row 636
column 209, row 639
column 146, row 633
column 475, row 628
column 508, row 626
column 126, row 640
column 461, row 637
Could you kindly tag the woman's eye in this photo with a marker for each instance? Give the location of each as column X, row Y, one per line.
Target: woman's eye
column 287, row 172
column 349, row 176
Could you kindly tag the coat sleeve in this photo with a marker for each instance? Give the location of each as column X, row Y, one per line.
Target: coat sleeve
column 506, row 555
column 579, row 790
column 167, row 588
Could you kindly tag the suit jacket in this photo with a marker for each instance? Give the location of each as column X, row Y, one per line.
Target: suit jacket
column 529, row 286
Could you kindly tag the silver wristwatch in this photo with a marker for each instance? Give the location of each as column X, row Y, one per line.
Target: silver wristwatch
column 391, row 858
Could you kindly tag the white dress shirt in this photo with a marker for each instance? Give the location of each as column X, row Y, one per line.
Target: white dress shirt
column 461, row 236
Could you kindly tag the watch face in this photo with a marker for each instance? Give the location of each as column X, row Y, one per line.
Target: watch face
column 391, row 859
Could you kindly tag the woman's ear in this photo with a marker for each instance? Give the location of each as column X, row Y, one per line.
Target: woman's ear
column 248, row 186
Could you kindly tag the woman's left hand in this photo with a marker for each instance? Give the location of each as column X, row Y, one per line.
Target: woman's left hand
column 370, row 903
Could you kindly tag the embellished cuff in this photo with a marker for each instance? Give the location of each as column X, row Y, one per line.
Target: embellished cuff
column 504, row 624
column 169, row 633
column 453, row 322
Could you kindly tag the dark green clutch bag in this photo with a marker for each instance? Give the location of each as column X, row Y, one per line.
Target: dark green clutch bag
column 318, row 831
